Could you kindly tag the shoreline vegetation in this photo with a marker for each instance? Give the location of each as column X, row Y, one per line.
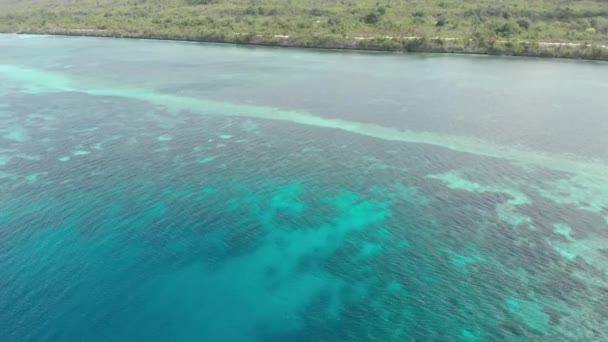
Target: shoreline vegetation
column 543, row 29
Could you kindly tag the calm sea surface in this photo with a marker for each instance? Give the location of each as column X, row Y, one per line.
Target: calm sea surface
column 171, row 191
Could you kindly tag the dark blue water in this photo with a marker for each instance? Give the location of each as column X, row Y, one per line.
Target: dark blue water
column 162, row 191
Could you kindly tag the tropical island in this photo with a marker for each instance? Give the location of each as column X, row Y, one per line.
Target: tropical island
column 546, row 28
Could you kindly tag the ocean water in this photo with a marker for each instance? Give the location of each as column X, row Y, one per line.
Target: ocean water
column 169, row 191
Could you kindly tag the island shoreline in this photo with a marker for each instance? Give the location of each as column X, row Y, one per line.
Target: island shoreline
column 437, row 45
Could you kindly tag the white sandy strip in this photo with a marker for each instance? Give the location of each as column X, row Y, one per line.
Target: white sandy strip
column 51, row 82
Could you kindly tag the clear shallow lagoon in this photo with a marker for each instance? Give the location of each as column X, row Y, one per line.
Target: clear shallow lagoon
column 167, row 191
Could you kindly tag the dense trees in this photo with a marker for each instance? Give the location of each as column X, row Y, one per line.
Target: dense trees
column 509, row 27
column 524, row 23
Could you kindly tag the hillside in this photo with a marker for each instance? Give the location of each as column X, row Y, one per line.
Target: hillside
column 538, row 27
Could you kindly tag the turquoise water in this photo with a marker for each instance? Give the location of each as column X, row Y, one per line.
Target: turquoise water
column 166, row 191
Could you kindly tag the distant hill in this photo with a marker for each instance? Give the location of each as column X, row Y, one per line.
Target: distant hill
column 538, row 27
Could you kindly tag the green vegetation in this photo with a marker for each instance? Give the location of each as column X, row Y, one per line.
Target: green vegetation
column 514, row 27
